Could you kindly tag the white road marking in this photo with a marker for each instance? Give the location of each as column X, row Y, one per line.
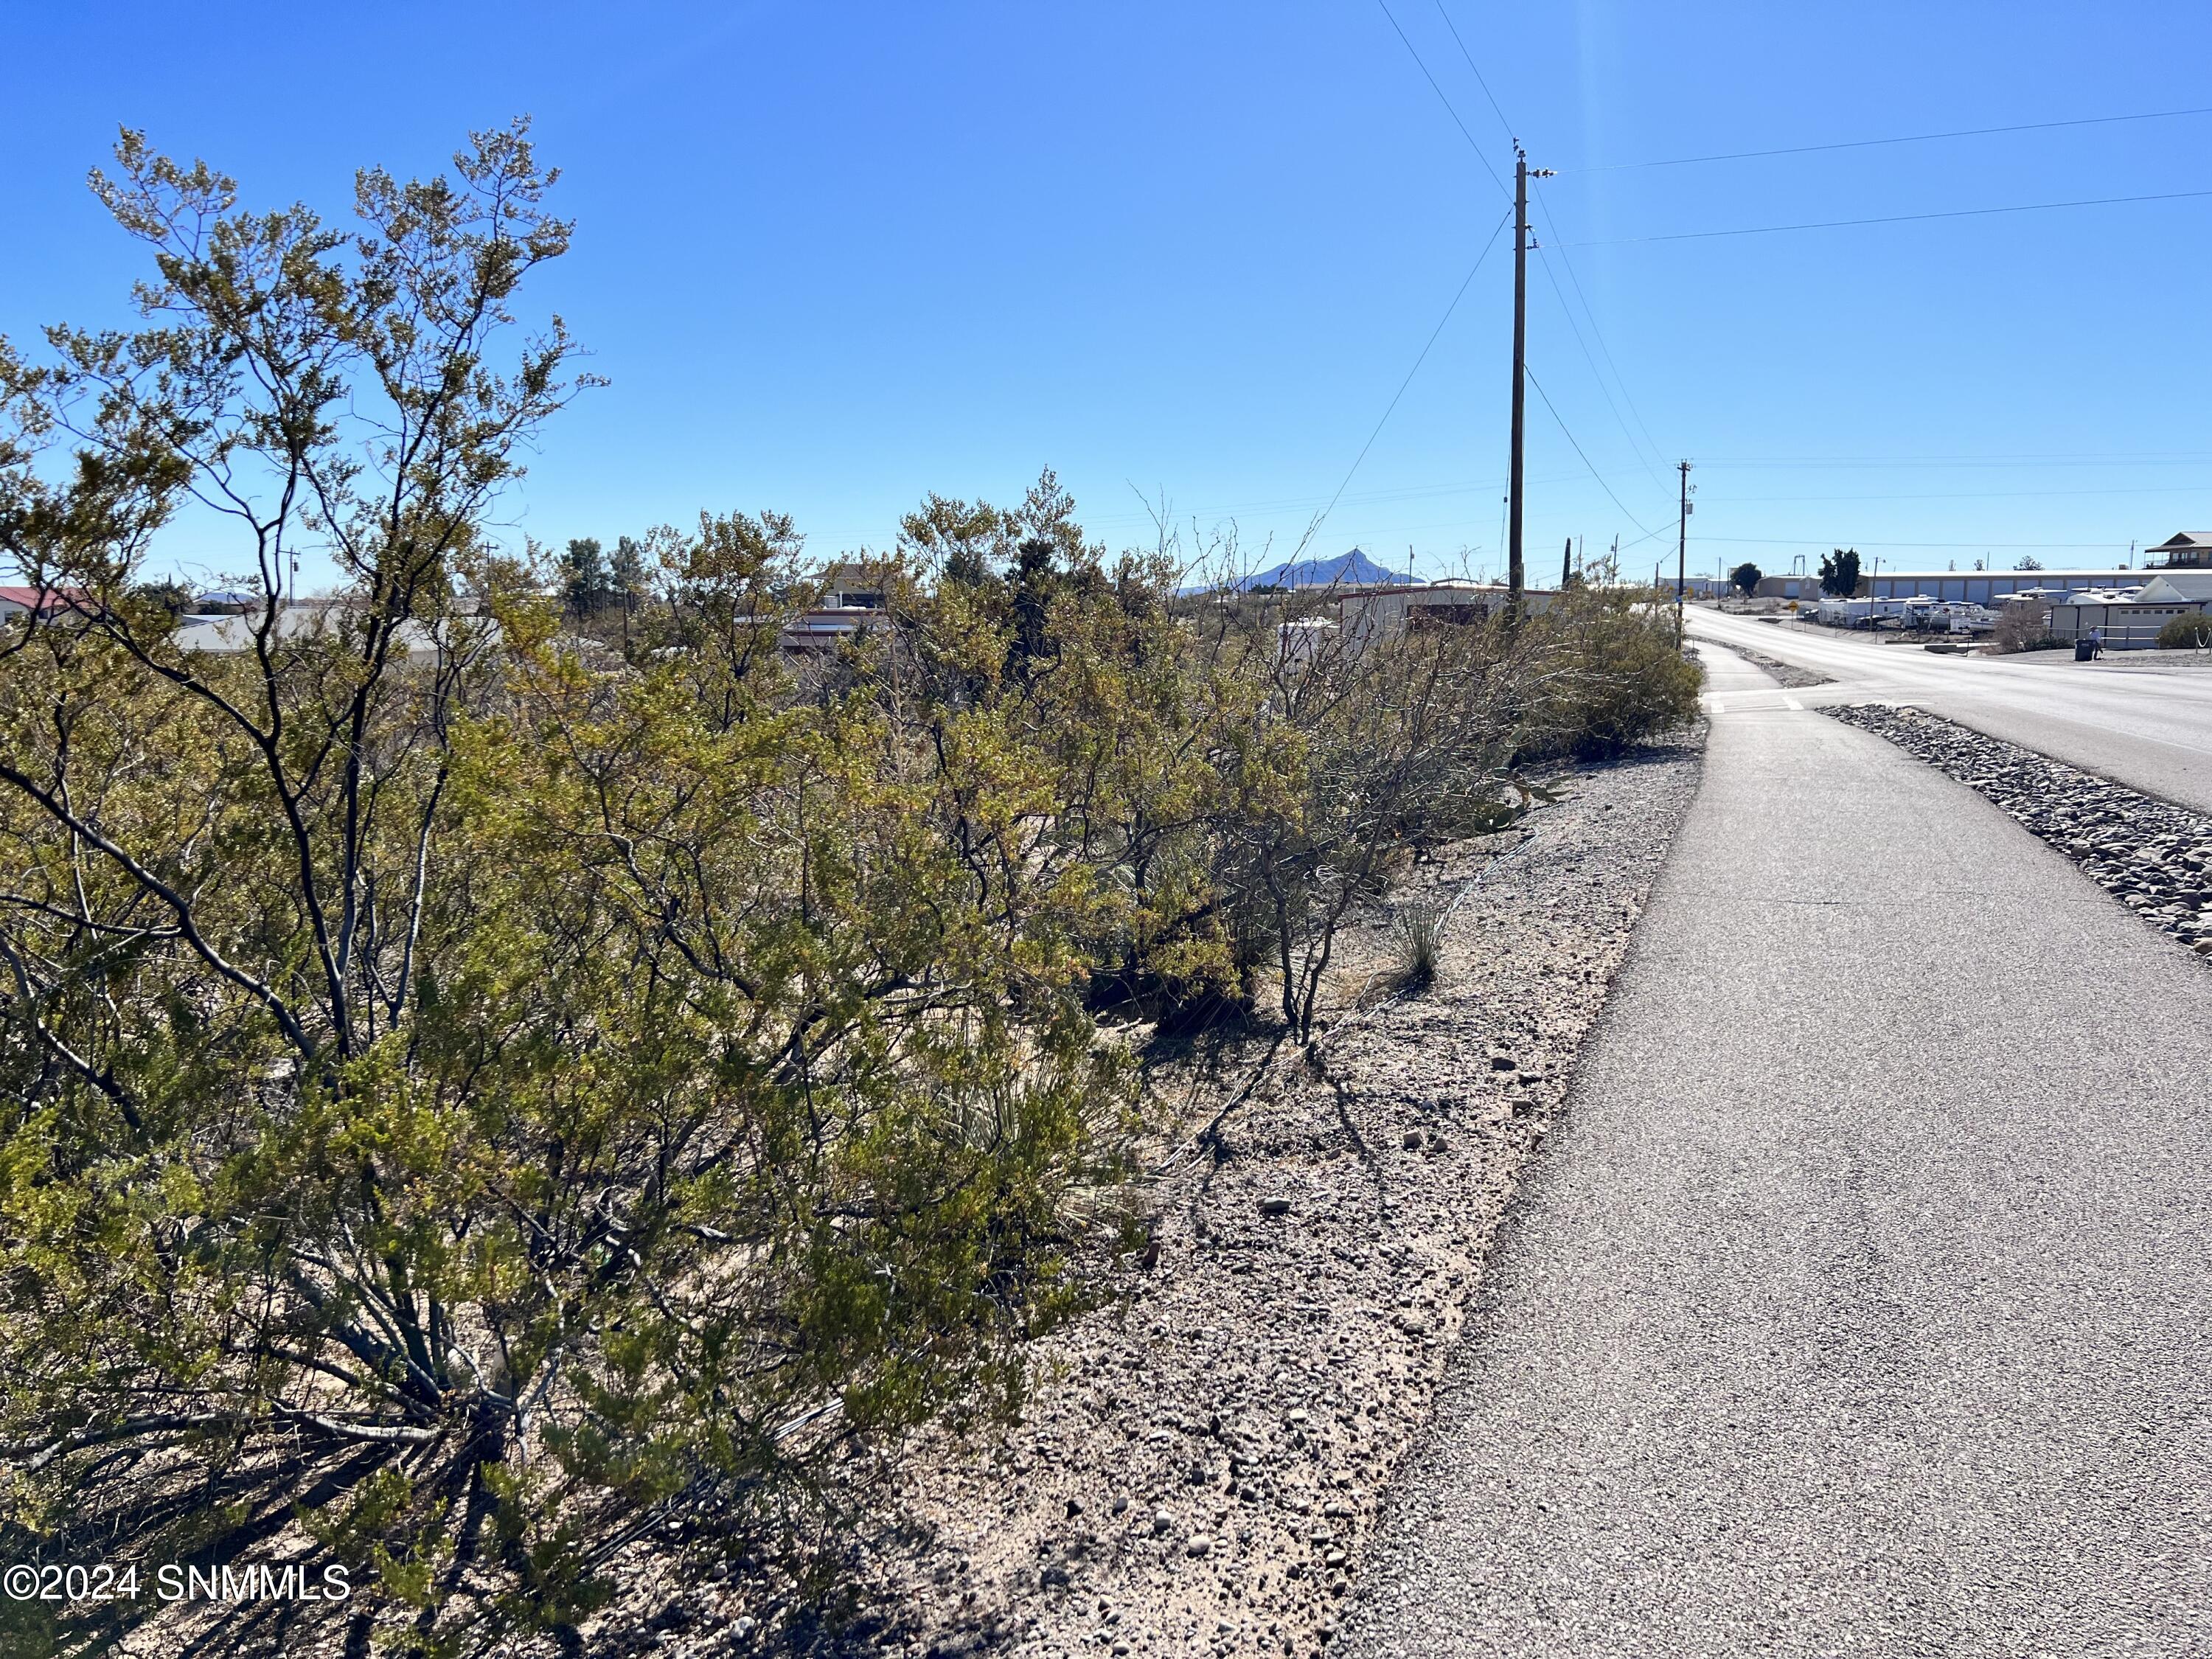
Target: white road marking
column 1792, row 702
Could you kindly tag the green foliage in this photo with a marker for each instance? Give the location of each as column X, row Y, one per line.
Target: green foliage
column 1839, row 572
column 475, row 1101
column 1418, row 927
column 1745, row 578
column 1609, row 674
column 495, row 1105
column 592, row 582
column 2186, row 633
column 2023, row 628
column 170, row 597
column 587, row 585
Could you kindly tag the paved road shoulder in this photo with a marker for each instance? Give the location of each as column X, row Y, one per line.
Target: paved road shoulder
column 1862, row 1305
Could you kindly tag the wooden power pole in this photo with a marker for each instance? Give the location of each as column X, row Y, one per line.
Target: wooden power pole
column 1681, row 551
column 1516, row 574
column 1515, row 580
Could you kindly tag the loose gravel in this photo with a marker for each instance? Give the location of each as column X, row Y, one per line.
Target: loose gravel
column 1201, row 1465
column 2151, row 856
column 1788, row 673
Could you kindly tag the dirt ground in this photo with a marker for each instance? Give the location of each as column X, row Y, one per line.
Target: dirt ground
column 1201, row 1462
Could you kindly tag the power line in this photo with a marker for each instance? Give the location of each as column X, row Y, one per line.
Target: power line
column 1432, row 491
column 1951, row 462
column 1558, row 245
column 1571, row 438
column 1544, row 208
column 1652, row 535
column 1908, row 138
column 1597, row 373
column 1471, row 64
column 1422, row 64
column 1414, row 370
column 1900, row 218
column 1981, row 494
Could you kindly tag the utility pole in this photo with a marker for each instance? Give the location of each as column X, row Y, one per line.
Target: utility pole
column 1681, row 550
column 1515, row 576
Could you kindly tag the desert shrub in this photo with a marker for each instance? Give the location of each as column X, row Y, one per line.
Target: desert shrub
column 481, row 1094
column 2022, row 628
column 2186, row 633
column 1607, row 673
column 473, row 1102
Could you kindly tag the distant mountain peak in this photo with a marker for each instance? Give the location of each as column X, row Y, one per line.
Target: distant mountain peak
column 1352, row 569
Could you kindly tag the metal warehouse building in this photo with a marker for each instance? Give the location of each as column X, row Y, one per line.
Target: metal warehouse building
column 1982, row 586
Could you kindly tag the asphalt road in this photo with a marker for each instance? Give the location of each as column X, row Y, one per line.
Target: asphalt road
column 1864, row 1303
column 2142, row 719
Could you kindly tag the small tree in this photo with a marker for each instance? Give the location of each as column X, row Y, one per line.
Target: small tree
column 2030, row 562
column 168, row 596
column 587, row 585
column 1839, row 572
column 1746, row 578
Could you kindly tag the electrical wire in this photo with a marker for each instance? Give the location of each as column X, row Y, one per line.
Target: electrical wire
column 1477, row 71
column 1441, row 98
column 1900, row 218
column 1571, row 438
column 1959, row 463
column 1978, row 495
column 1848, row 541
column 1433, row 336
column 1648, row 463
column 1596, row 374
column 1908, row 138
column 1557, row 245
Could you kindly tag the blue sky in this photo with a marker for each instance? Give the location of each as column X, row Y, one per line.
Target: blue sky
column 833, row 255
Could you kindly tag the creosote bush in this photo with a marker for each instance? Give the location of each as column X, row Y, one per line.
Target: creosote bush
column 1608, row 675
column 498, row 1076
column 2022, row 628
column 2192, row 632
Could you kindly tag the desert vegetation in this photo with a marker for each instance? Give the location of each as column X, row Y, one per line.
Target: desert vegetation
column 521, row 1063
column 2189, row 632
column 2022, row 628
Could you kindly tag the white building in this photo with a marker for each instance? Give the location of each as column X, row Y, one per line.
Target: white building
column 2130, row 620
column 1377, row 612
column 46, row 601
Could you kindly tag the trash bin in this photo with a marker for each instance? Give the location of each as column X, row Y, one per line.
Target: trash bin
column 2085, row 651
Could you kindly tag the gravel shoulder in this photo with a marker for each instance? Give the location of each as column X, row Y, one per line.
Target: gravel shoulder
column 1783, row 673
column 1201, row 1465
column 2153, row 856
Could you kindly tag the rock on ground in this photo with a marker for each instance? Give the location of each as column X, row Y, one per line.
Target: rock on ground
column 2154, row 857
column 1788, row 673
column 1202, row 1460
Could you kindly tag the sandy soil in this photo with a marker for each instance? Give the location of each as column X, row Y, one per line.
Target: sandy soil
column 1200, row 1466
